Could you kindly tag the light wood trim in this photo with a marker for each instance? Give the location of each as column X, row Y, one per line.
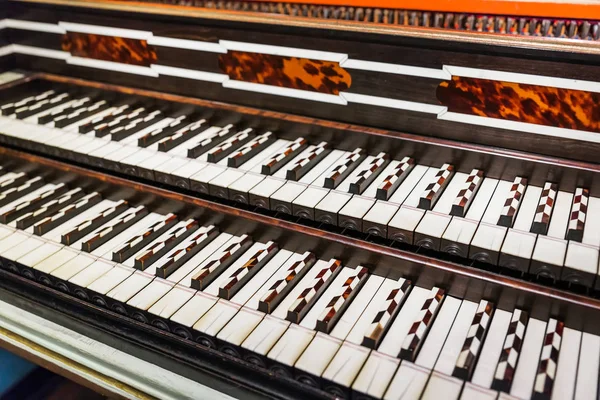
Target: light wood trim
column 533, row 43
column 63, row 366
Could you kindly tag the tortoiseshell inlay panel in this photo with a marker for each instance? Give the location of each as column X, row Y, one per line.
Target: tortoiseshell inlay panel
column 564, row 108
column 290, row 72
column 109, row 48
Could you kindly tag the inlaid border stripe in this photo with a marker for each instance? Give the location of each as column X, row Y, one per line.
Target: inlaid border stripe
column 528, row 79
column 105, row 30
column 6, row 50
column 189, row 73
column 187, row 44
column 393, row 103
column 545, row 130
column 286, row 92
column 40, row 52
column 32, row 26
column 397, row 69
column 111, row 66
column 283, row 51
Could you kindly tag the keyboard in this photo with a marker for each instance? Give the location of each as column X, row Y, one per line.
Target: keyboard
column 542, row 229
column 323, row 319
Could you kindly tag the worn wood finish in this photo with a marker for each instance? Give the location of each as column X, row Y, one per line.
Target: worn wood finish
column 290, row 72
column 564, row 108
column 109, row 48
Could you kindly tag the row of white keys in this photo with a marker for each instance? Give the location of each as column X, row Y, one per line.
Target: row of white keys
column 227, row 179
column 103, row 252
column 346, row 363
column 284, row 191
column 339, row 200
column 434, row 222
column 360, row 205
column 383, row 210
column 268, row 297
column 268, row 186
column 123, row 282
column 410, row 379
column 294, row 341
column 324, row 346
column 215, row 270
column 120, row 153
column 270, row 329
column 156, row 288
column 71, row 269
column 223, row 311
column 242, row 186
column 380, row 365
column 402, row 225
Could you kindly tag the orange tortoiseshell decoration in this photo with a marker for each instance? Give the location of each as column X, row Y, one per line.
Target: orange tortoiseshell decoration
column 542, row 105
column 290, row 72
column 109, row 48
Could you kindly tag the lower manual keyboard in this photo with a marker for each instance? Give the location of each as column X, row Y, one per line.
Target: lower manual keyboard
column 327, row 322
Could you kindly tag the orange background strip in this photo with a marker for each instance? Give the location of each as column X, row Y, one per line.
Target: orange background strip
column 588, row 10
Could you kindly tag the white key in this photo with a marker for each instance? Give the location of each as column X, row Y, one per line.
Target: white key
column 410, row 379
column 434, row 342
column 489, row 236
column 56, row 260
column 72, row 267
column 56, row 233
column 39, row 254
column 492, row 347
column 528, row 360
column 392, row 342
column 519, row 241
column 566, row 373
column 587, row 370
column 454, row 343
column 94, row 271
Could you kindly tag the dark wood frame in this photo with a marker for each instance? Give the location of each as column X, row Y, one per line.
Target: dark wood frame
column 404, row 45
